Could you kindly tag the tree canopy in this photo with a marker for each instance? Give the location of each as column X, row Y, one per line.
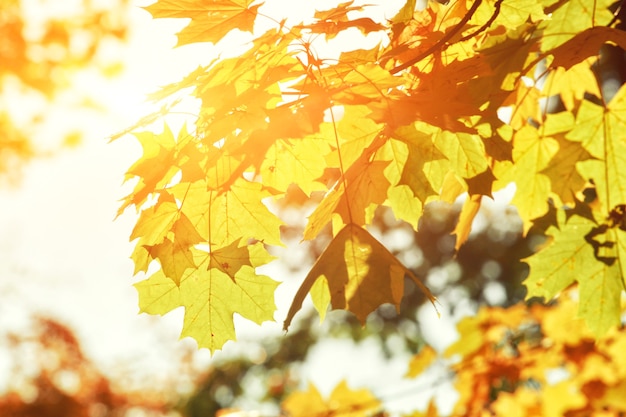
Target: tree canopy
column 449, row 99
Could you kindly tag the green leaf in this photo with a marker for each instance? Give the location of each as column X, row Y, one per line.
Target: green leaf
column 599, row 130
column 583, row 252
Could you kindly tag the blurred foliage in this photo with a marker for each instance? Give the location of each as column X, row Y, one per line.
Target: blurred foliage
column 50, row 376
column 43, row 45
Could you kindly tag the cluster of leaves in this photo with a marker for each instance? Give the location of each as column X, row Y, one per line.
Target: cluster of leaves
column 39, row 55
column 417, row 117
column 509, row 361
column 535, row 361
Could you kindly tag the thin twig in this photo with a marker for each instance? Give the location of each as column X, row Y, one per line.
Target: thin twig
column 484, row 27
column 441, row 43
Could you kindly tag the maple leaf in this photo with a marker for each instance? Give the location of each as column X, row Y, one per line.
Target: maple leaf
column 572, row 84
column 466, row 152
column 466, row 217
column 211, row 20
column 155, row 222
column 155, row 168
column 175, row 255
column 224, row 283
column 343, row 402
column 299, row 162
column 354, row 133
column 418, row 172
column 572, row 17
column 409, row 185
column 586, row 44
column 566, row 259
column 533, row 150
column 356, row 273
column 332, row 22
column 397, row 124
column 364, row 184
column 597, row 129
column 224, row 217
column 561, row 170
column 405, row 14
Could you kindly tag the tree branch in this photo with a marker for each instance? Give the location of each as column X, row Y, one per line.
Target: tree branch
column 441, row 42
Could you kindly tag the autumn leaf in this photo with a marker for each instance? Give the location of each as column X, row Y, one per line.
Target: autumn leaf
column 224, row 283
column 534, row 149
column 211, row 20
column 420, row 362
column 419, row 172
column 585, row 252
column 572, row 17
column 297, row 162
column 343, row 402
column 510, row 14
column 468, row 213
column 222, row 218
column 598, row 130
column 155, row 222
column 405, row 14
column 565, row 179
column 572, row 84
column 174, row 254
column 586, row 44
column 155, row 168
column 356, row 273
column 363, row 184
column 332, row 22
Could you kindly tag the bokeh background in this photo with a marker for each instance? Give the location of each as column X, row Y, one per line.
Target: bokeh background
column 72, row 75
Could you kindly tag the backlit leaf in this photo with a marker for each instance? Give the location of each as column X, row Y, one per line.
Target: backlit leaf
column 211, row 20
column 343, row 402
column 364, row 184
column 572, row 17
column 581, row 251
column 599, row 130
column 224, row 283
column 360, row 275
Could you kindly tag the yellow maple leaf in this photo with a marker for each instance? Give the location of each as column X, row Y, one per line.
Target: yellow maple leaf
column 533, row 150
column 237, row 213
column 155, row 222
column 224, row 283
column 356, row 273
column 572, row 17
column 572, row 84
column 155, row 168
column 299, row 162
column 210, row 21
column 343, row 402
column 364, row 184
